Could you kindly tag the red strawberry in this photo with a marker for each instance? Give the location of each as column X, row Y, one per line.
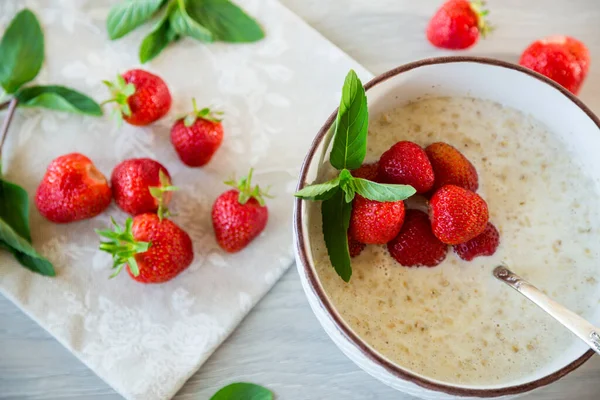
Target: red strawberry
column 374, row 222
column 153, row 250
column 416, row 245
column 139, row 185
column 563, row 59
column 142, row 97
column 197, row 136
column 355, row 247
column 457, row 214
column 367, row 171
column 239, row 215
column 458, row 24
column 406, row 163
column 483, row 245
column 72, row 189
column 451, row 167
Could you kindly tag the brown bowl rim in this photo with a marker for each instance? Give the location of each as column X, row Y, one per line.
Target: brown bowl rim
column 391, row 368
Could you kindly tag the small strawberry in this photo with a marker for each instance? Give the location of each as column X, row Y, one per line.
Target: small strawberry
column 374, row 222
column 457, row 214
column 141, row 97
column 416, row 245
column 406, row 163
column 197, row 136
column 458, row 24
column 141, row 185
column 451, row 167
column 154, row 250
column 367, row 171
column 72, row 189
column 239, row 215
column 563, row 59
column 355, row 247
column 484, row 244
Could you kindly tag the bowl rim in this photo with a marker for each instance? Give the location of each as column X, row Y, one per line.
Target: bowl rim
column 362, row 346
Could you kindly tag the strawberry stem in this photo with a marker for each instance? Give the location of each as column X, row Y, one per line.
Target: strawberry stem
column 122, row 246
column 158, row 192
column 244, row 186
column 478, row 7
column 206, row 113
column 121, row 91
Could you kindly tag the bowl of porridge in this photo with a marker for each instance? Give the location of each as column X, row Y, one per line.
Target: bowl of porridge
column 454, row 330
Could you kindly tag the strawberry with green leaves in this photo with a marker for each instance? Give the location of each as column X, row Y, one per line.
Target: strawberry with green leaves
column 339, row 195
column 197, row 136
column 239, row 215
column 141, row 97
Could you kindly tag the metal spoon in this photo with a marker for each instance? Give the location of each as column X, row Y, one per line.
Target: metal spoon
column 573, row 322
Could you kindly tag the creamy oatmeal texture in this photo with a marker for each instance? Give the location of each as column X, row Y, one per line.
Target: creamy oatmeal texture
column 455, row 322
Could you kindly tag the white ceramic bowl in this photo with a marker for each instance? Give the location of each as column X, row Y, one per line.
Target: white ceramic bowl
column 495, row 80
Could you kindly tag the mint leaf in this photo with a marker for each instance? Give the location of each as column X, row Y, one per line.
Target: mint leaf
column 184, row 25
column 128, row 15
column 350, row 141
column 23, row 250
column 158, row 39
column 335, row 212
column 382, row 192
column 321, row 191
column 226, row 21
column 243, row 391
column 58, row 98
column 14, row 208
column 21, row 51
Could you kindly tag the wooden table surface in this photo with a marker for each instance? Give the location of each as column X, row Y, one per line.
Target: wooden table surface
column 280, row 344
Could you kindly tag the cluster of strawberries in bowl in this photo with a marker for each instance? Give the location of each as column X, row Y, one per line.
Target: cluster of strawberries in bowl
column 457, row 216
column 150, row 245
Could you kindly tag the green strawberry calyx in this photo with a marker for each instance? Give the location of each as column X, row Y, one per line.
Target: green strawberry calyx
column 478, row 7
column 205, row 113
column 247, row 192
column 122, row 246
column 159, row 192
column 121, row 91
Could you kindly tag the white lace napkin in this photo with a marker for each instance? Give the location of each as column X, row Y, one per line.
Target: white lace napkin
column 143, row 340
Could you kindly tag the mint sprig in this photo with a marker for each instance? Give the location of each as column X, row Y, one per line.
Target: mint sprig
column 203, row 20
column 348, row 153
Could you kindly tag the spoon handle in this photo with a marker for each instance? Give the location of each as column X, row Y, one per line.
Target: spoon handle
column 579, row 326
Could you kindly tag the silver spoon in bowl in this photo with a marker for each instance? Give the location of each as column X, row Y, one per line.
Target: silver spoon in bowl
column 573, row 322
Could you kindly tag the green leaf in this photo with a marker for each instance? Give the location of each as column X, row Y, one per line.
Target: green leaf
column 350, row 141
column 24, row 251
column 182, row 24
column 382, row 192
column 159, row 38
column 128, row 15
column 21, row 51
column 336, row 218
column 321, row 191
column 58, row 98
column 14, row 208
column 226, row 21
column 243, row 391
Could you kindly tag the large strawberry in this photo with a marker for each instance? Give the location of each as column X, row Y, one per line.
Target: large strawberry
column 563, row 59
column 451, row 167
column 197, row 136
column 485, row 244
column 239, row 215
column 458, row 24
column 142, row 97
column 416, row 245
column 72, row 189
column 406, row 163
column 457, row 214
column 374, row 222
column 153, row 250
column 141, row 185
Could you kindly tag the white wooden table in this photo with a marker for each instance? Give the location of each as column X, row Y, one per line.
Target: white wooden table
column 280, row 344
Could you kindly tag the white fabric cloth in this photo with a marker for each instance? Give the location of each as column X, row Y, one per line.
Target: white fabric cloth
column 147, row 340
